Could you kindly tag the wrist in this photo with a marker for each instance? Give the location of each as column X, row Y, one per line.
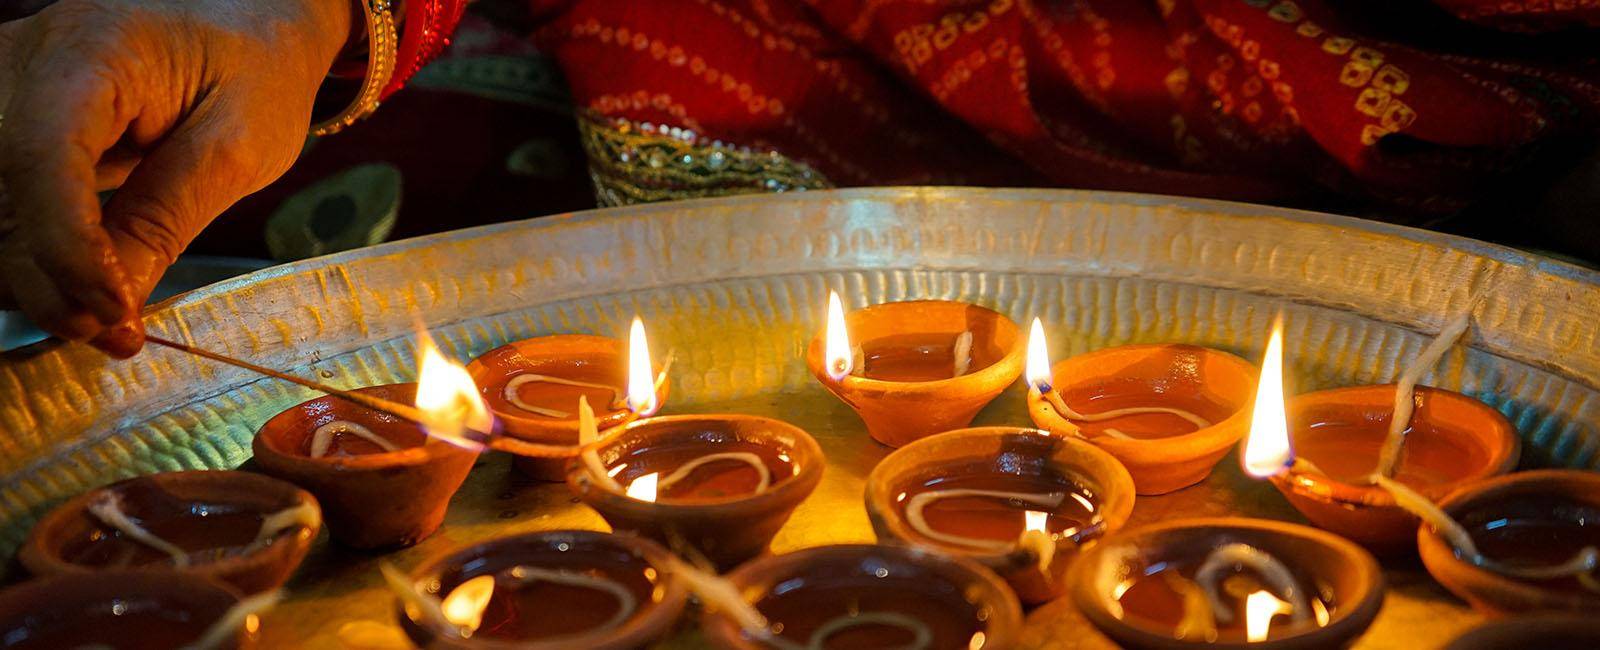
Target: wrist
column 333, row 25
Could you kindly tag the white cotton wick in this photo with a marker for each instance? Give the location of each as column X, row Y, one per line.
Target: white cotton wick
column 418, row 605
column 1071, row 414
column 1272, row 571
column 923, row 636
column 626, row 601
column 1406, row 386
column 223, row 631
column 1043, row 546
column 322, row 439
column 512, row 393
column 107, row 507
column 683, row 471
column 721, row 594
column 301, row 514
column 858, row 357
column 963, row 353
column 919, row 522
column 588, row 433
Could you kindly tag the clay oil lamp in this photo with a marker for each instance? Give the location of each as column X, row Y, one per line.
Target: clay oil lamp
column 383, row 481
column 1528, row 541
column 1326, row 451
column 1546, row 631
column 1017, row 501
column 1228, row 583
column 142, row 609
column 1168, row 412
column 860, row 597
column 721, row 484
column 545, row 590
column 532, row 387
column 247, row 530
column 919, row 367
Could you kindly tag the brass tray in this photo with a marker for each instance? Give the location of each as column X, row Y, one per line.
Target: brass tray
column 737, row 285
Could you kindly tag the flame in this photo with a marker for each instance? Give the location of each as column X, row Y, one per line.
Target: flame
column 840, row 359
column 1036, row 520
column 465, row 604
column 449, row 401
column 1038, row 372
column 641, row 374
column 644, row 487
column 1259, row 608
column 1266, row 450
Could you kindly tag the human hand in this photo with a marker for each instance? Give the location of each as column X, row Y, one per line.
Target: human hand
column 182, row 106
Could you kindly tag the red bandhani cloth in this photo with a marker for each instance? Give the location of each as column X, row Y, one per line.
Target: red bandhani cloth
column 1266, row 100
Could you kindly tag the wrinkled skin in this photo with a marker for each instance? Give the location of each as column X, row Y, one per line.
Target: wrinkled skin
column 183, row 106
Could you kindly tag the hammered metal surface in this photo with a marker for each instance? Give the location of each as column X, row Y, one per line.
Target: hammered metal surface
column 735, row 286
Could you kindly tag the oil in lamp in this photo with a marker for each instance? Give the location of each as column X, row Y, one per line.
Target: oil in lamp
column 543, row 591
column 1168, row 412
column 1528, row 541
column 1002, row 496
column 1342, row 436
column 917, row 368
column 862, row 596
column 533, row 386
column 129, row 609
column 245, row 530
column 382, row 481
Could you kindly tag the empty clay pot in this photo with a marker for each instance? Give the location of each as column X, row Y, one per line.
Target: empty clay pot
column 898, row 412
column 1324, row 563
column 802, row 594
column 580, row 357
column 144, row 609
column 544, row 615
column 1455, row 440
column 71, row 540
column 369, row 500
column 1005, row 459
column 727, row 529
column 1532, row 504
column 1209, row 383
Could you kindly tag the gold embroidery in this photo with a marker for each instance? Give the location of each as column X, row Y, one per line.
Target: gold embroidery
column 1337, row 45
column 1308, row 29
column 1287, row 12
column 1391, row 79
column 1398, row 116
column 1373, row 101
column 1355, row 75
column 1367, row 56
column 641, row 162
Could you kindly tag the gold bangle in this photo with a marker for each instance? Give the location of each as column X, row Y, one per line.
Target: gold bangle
column 382, row 40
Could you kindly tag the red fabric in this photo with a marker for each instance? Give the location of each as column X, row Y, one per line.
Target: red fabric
column 424, row 32
column 1267, row 100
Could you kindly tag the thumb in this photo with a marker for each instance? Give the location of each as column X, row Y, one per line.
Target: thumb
column 175, row 191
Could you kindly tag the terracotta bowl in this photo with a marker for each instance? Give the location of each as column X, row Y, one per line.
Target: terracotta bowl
column 1546, row 632
column 159, row 610
column 898, row 412
column 1202, row 380
column 1002, row 451
column 1343, row 571
column 1523, row 494
column 70, row 540
column 966, row 605
column 726, row 530
column 380, row 500
column 639, row 564
column 1469, row 441
column 583, row 357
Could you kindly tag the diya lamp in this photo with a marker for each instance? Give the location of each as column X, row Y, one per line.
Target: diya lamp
column 242, row 529
column 1018, row 501
column 918, row 367
column 383, row 481
column 721, row 485
column 545, row 590
column 1430, row 440
column 1168, row 412
column 532, row 387
column 1523, row 542
column 143, row 609
column 862, row 597
column 1228, row 583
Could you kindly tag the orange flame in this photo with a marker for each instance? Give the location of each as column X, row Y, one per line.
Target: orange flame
column 839, row 357
column 644, row 487
column 1038, row 369
column 1266, row 450
column 452, row 409
column 1036, row 520
column 641, row 376
column 465, row 604
column 1259, row 608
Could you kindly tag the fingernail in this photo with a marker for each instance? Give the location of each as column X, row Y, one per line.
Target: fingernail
column 121, row 341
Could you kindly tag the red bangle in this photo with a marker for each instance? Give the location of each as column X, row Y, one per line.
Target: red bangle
column 428, row 25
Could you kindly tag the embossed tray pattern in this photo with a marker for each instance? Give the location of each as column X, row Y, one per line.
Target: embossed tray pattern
column 736, row 285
